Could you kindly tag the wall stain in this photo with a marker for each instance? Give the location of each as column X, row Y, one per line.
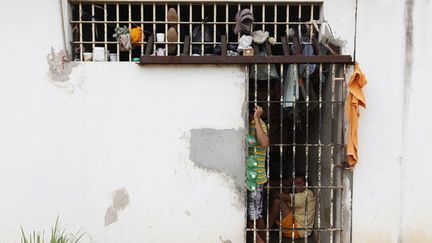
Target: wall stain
column 225, row 241
column 407, row 79
column 59, row 70
column 120, row 200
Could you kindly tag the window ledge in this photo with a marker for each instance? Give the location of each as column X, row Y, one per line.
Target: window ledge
column 343, row 59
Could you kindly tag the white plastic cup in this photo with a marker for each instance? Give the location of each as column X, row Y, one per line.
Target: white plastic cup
column 87, row 56
column 113, row 57
column 160, row 52
column 99, row 54
column 160, row 37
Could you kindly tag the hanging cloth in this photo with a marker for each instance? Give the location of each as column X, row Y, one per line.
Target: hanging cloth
column 291, row 86
column 356, row 98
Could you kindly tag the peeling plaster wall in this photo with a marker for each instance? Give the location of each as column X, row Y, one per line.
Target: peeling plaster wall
column 66, row 154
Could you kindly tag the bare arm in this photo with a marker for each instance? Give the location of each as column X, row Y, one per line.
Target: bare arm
column 261, row 136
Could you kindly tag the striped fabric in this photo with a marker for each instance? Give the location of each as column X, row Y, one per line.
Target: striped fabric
column 260, row 154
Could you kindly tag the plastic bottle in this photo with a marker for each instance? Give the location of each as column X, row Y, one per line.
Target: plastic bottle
column 251, row 141
column 251, row 175
column 251, row 185
column 252, row 162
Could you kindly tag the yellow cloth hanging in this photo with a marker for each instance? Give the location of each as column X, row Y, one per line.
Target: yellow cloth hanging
column 355, row 99
column 135, row 34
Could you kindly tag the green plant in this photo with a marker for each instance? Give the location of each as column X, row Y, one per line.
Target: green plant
column 57, row 236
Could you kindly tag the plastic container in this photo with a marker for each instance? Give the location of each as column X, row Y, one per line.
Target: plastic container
column 251, row 141
column 252, row 162
column 99, row 54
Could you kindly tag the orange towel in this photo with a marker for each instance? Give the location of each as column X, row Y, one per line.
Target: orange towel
column 355, row 99
column 287, row 224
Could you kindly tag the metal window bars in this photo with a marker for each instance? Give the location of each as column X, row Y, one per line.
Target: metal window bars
column 94, row 22
column 305, row 137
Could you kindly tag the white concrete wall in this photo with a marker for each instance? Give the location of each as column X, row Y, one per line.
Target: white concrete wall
column 391, row 203
column 377, row 178
column 64, row 153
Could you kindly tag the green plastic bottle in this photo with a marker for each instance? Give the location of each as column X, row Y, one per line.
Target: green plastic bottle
column 251, row 141
column 251, row 185
column 252, row 162
column 251, row 174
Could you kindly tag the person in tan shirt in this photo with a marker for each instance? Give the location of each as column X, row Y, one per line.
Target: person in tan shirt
column 302, row 203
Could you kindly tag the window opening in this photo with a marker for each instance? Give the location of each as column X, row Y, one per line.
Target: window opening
column 199, row 28
column 306, row 137
column 306, row 134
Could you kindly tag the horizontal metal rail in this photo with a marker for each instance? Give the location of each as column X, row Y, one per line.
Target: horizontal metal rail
column 342, row 59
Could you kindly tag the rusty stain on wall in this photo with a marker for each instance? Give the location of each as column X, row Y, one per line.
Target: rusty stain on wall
column 120, row 200
column 59, row 71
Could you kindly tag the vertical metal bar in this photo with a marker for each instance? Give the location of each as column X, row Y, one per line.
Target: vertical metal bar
column 178, row 28
column 293, row 168
column 117, row 24
column 226, row 23
column 281, row 132
column 319, row 150
column 130, row 27
column 202, row 29
column 166, row 29
column 331, row 157
column 80, row 32
column 312, row 12
column 190, row 28
column 238, row 9
column 263, row 16
column 269, row 148
column 307, row 150
column 247, row 149
column 214, row 24
column 142, row 28
column 154, row 25
column 255, row 104
column 93, row 28
column 299, row 11
column 287, row 20
column 106, row 31
column 274, row 22
column 341, row 148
